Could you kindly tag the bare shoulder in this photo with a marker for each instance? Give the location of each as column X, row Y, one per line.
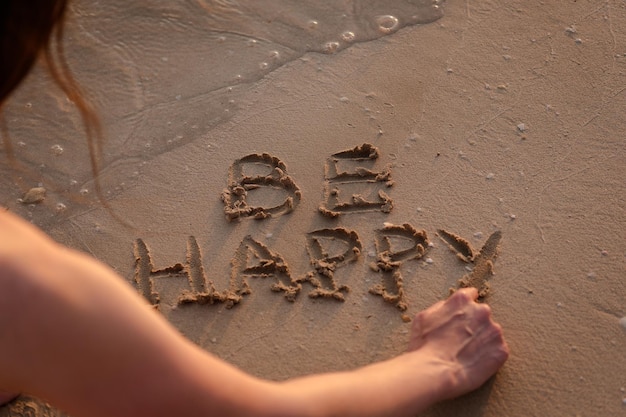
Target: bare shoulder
column 18, row 236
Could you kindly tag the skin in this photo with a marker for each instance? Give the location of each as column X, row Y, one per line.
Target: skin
column 76, row 334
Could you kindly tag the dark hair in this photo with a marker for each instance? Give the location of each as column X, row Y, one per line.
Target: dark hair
column 30, row 29
column 26, row 27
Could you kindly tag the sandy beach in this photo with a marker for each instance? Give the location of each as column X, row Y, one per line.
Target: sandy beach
column 299, row 181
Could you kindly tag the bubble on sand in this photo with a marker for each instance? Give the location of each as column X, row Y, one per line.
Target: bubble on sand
column 57, row 149
column 60, row 207
column 312, row 24
column 387, row 23
column 331, row 47
column 274, row 54
column 348, row 36
column 264, row 65
column 84, row 191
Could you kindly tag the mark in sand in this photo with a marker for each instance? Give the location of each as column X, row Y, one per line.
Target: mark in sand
column 192, row 269
column 252, row 260
column 483, row 261
column 252, row 174
column 351, row 184
column 145, row 272
column 395, row 244
column 330, row 249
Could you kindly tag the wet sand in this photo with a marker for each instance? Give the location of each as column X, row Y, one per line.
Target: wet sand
column 500, row 118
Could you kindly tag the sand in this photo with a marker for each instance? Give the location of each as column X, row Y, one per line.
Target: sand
column 501, row 118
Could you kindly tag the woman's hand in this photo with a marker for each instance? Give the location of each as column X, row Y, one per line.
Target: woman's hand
column 461, row 332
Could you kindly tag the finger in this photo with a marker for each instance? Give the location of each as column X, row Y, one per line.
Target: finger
column 430, row 311
column 416, row 339
column 420, row 326
column 470, row 293
column 423, row 322
column 487, row 344
column 490, row 340
column 499, row 348
column 435, row 307
column 462, row 297
column 480, row 312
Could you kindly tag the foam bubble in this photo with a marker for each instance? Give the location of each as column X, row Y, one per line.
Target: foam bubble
column 387, row 23
column 348, row 36
column 57, row 149
column 331, row 47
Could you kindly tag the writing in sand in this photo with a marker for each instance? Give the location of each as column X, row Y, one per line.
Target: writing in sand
column 352, row 184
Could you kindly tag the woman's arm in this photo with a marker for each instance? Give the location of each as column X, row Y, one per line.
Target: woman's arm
column 455, row 347
column 76, row 334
